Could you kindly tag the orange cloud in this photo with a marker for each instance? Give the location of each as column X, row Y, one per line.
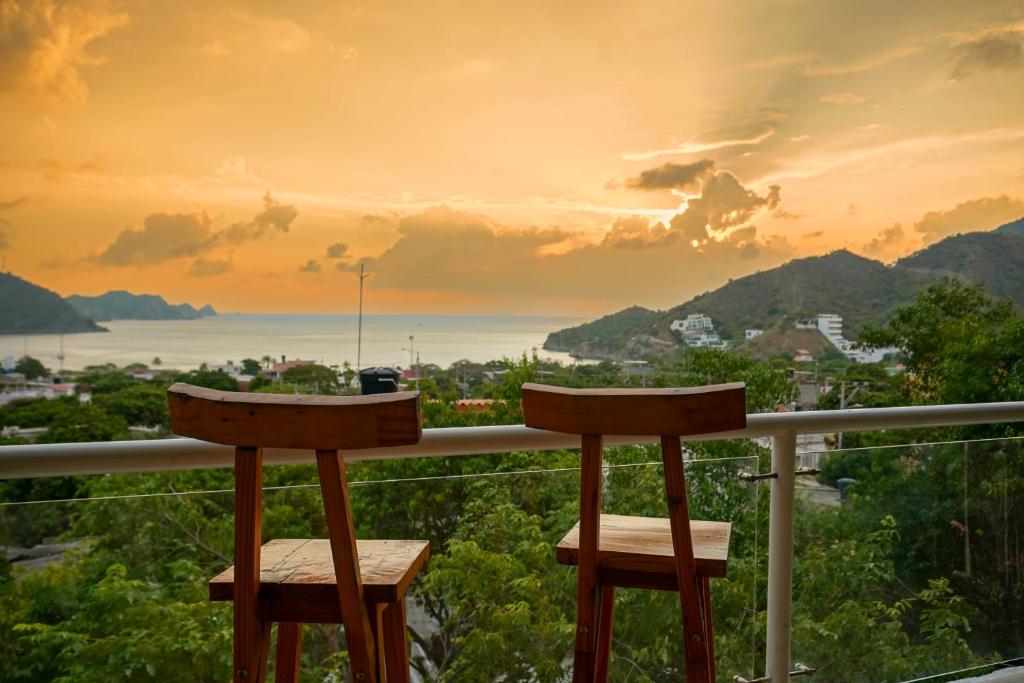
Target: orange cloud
column 672, row 176
column 636, row 260
column 165, row 237
column 970, row 216
column 889, row 244
column 204, row 267
column 45, row 44
column 995, row 50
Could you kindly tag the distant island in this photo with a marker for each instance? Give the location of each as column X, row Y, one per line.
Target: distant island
column 759, row 313
column 122, row 305
column 27, row 308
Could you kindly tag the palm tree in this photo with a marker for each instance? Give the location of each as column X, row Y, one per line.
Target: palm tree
column 267, row 361
column 157, row 362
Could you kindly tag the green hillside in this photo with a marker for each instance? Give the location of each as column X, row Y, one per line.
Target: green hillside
column 122, row 305
column 994, row 259
column 786, row 341
column 1014, row 228
column 26, row 308
column 859, row 289
column 604, row 336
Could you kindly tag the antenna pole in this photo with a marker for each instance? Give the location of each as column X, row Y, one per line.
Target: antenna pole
column 359, row 338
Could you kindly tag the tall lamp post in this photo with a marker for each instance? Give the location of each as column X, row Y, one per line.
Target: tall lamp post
column 844, row 402
column 359, row 338
column 412, row 361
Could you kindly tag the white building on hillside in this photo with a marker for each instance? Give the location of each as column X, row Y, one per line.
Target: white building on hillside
column 695, row 323
column 698, row 331
column 831, row 327
column 711, row 340
column 752, row 334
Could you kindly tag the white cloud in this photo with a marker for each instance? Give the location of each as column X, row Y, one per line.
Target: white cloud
column 696, row 147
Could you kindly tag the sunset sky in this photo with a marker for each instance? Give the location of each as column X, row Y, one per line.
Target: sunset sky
column 507, row 157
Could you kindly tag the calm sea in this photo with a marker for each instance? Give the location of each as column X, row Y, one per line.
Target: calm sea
column 329, row 339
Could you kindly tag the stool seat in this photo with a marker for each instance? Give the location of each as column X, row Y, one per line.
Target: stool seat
column 298, row 583
column 643, row 545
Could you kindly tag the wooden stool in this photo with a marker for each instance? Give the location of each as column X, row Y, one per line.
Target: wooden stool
column 673, row 554
column 361, row 584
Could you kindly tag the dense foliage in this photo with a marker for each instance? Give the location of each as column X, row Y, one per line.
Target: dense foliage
column 920, row 571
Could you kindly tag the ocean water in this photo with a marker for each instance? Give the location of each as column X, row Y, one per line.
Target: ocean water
column 185, row 344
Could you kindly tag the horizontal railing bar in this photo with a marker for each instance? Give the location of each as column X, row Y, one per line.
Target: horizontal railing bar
column 52, row 460
column 364, row 482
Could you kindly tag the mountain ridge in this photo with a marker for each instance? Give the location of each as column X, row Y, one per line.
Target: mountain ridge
column 862, row 290
column 120, row 304
column 27, row 308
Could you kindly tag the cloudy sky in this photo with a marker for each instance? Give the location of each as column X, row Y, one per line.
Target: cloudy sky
column 528, row 157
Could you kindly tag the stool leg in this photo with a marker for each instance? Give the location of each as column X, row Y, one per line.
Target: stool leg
column 396, row 644
column 251, row 631
column 587, row 588
column 262, row 651
column 585, row 660
column 289, row 650
column 709, row 622
column 604, row 633
column 376, row 612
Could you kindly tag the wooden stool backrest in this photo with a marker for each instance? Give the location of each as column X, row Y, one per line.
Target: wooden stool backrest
column 326, row 424
column 668, row 413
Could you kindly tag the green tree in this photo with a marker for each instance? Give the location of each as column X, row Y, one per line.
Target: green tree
column 85, row 423
column 210, row 379
column 502, row 618
column 262, row 383
column 960, row 346
column 31, row 368
column 312, row 379
column 138, row 405
column 105, row 379
column 251, row 366
column 767, row 387
column 36, row 412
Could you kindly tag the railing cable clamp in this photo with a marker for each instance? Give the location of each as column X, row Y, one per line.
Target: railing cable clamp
column 806, row 471
column 799, row 472
column 750, row 476
column 800, row 670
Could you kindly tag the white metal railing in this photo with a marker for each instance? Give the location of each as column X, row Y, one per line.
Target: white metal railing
column 48, row 460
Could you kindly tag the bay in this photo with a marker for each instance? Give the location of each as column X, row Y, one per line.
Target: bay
column 328, row 339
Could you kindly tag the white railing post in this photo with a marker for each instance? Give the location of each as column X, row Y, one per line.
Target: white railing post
column 780, row 558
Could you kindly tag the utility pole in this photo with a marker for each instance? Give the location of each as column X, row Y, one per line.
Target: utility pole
column 359, row 338
column 844, row 400
column 412, row 362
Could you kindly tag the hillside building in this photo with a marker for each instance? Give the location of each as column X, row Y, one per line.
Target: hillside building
column 698, row 331
column 831, row 327
column 695, row 323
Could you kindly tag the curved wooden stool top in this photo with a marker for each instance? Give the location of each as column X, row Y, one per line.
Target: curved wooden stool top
column 674, row 554
column 238, row 418
column 636, row 412
column 361, row 584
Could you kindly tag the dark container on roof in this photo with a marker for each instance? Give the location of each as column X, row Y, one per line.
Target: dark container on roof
column 378, row 380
